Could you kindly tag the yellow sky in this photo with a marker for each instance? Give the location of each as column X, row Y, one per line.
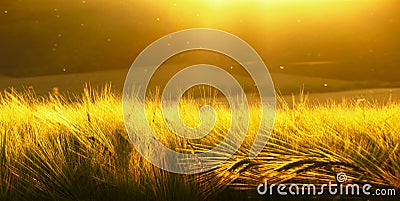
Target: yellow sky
column 298, row 34
column 218, row 12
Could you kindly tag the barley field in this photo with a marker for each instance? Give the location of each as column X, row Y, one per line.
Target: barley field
column 75, row 147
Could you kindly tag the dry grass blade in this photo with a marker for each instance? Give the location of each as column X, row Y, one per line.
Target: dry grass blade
column 63, row 148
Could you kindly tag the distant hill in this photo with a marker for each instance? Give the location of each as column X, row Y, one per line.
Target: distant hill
column 75, row 82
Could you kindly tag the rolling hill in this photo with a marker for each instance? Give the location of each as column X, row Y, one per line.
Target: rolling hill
column 320, row 89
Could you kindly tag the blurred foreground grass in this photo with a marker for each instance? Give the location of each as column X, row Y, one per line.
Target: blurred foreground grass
column 56, row 149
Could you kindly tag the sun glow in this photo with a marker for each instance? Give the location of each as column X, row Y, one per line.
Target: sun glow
column 224, row 12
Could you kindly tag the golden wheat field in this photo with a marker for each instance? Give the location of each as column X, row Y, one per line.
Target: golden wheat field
column 64, row 147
